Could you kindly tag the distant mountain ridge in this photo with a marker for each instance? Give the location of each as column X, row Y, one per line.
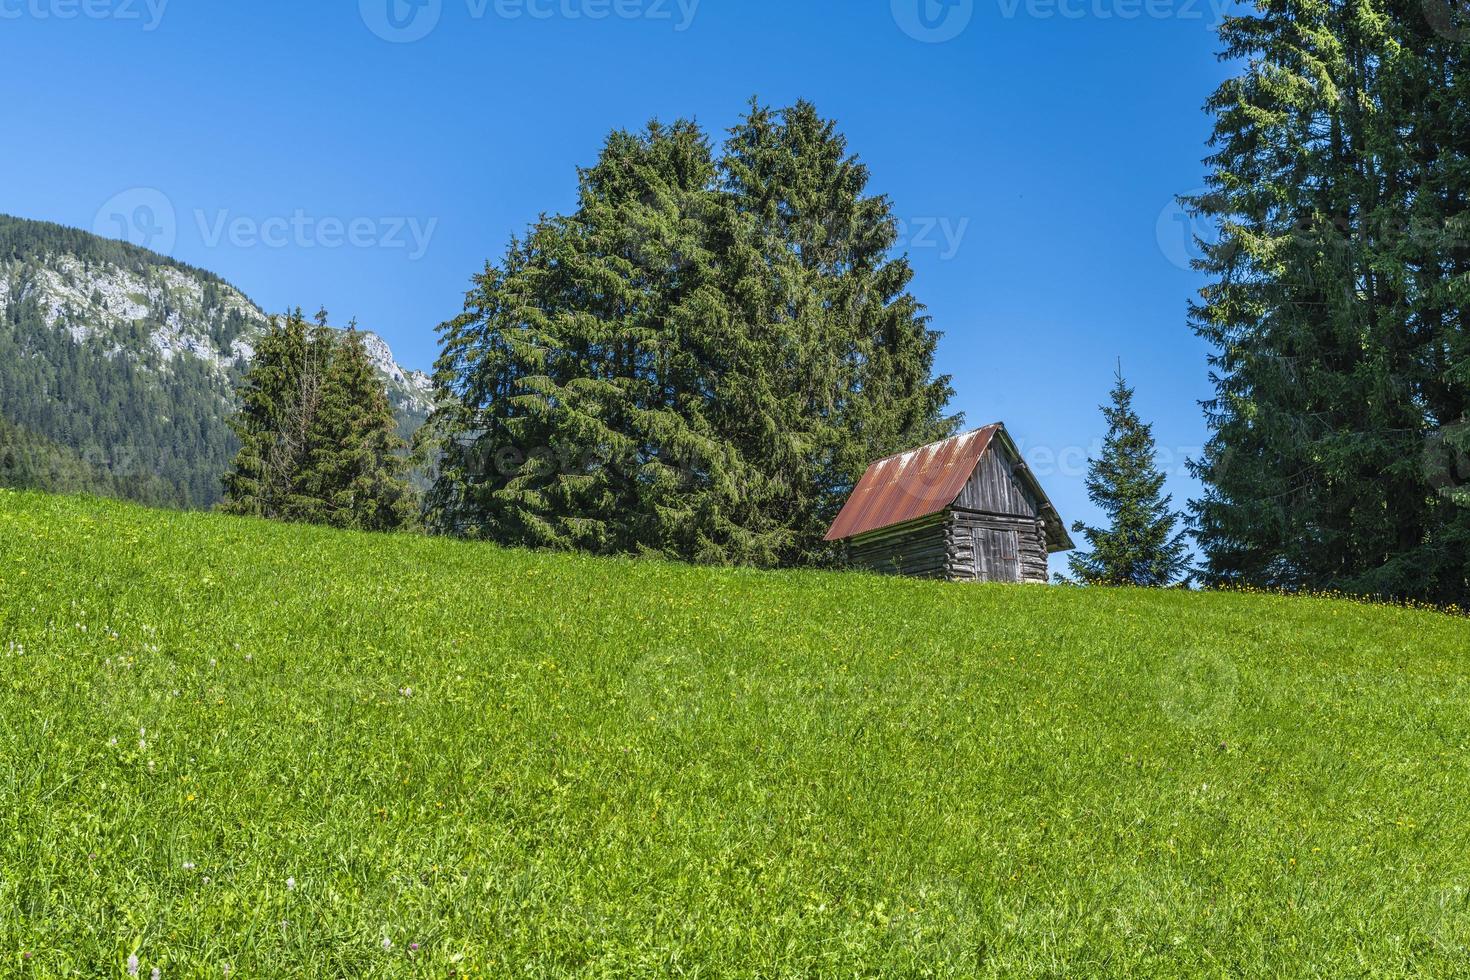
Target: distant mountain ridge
column 126, row 361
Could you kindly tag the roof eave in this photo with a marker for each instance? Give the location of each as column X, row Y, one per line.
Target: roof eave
column 1047, row 507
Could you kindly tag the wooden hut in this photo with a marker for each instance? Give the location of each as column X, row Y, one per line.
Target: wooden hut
column 966, row 509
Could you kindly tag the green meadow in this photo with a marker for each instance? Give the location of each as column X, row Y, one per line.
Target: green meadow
column 241, row 749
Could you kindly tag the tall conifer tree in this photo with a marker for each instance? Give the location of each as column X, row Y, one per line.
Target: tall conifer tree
column 356, row 464
column 277, row 402
column 318, row 438
column 1337, row 310
column 698, row 362
column 1139, row 546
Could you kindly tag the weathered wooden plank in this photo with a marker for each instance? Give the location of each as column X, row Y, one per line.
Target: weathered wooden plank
column 994, row 486
column 961, row 544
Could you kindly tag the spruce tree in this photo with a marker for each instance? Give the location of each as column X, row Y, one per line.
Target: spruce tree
column 573, row 413
column 354, row 472
column 851, row 377
column 1337, row 306
column 1139, row 546
column 277, row 403
column 698, row 362
column 318, row 438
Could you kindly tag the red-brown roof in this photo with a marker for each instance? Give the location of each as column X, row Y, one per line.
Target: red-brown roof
column 911, row 485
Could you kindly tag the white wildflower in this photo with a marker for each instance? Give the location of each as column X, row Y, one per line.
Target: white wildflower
column 133, row 965
column 188, row 865
column 290, row 884
column 387, row 944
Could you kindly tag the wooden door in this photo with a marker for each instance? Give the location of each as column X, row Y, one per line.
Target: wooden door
column 997, row 555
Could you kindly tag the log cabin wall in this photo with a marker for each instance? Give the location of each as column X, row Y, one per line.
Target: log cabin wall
column 995, row 548
column 999, row 528
column 919, row 549
column 961, row 546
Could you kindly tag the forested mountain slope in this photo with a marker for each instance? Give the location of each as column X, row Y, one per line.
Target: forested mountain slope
column 118, row 367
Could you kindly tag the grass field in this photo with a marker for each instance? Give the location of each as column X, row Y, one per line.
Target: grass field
column 235, row 748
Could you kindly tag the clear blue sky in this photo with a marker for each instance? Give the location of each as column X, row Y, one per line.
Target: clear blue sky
column 1032, row 146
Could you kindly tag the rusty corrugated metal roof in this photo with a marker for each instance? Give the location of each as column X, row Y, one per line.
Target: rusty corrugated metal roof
column 911, row 485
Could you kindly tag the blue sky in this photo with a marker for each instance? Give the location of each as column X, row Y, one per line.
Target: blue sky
column 371, row 155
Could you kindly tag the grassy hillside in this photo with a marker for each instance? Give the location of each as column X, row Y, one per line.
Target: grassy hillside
column 285, row 749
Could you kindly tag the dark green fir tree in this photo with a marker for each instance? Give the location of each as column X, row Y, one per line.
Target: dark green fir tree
column 277, row 404
column 1336, row 306
column 355, row 469
column 1139, row 546
column 698, row 362
column 318, row 437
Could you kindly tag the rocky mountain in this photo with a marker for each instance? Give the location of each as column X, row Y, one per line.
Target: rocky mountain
column 118, row 367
